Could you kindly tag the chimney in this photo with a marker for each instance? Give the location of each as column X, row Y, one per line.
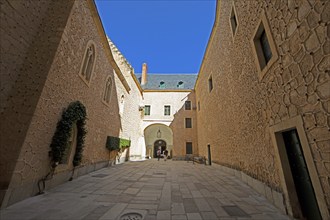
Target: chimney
column 144, row 74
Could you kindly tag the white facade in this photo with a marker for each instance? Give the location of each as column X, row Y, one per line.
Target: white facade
column 129, row 102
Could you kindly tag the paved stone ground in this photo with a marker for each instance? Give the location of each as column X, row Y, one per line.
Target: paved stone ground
column 153, row 189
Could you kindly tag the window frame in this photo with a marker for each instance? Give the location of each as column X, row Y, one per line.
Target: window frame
column 147, row 107
column 233, row 19
column 185, row 105
column 210, row 83
column 260, row 60
column 87, row 77
column 169, row 110
column 107, row 91
column 185, row 120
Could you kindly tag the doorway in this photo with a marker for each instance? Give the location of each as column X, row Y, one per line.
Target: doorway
column 300, row 175
column 159, row 144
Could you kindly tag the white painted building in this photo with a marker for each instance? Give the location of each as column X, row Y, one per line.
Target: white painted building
column 149, row 108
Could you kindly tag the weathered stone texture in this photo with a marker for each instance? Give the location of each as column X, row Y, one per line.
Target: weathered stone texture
column 28, row 46
column 62, row 86
column 236, row 115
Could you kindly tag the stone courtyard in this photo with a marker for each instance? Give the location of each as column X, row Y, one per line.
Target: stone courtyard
column 151, row 189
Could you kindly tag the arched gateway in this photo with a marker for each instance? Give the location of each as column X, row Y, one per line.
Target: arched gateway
column 158, row 135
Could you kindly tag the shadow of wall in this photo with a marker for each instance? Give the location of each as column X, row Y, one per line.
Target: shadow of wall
column 45, row 82
column 181, row 134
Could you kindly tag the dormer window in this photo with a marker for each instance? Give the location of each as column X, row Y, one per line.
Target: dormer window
column 162, row 85
column 180, row 85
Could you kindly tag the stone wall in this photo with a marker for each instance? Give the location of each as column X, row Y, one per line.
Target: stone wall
column 129, row 111
column 176, row 120
column 236, row 116
column 28, row 46
column 62, row 86
column 181, row 134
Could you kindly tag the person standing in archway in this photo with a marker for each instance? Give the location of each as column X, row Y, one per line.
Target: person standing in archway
column 165, row 154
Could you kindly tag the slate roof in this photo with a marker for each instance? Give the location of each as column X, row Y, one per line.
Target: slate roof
column 170, row 81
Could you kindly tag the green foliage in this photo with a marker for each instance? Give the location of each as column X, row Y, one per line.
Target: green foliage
column 75, row 113
column 116, row 143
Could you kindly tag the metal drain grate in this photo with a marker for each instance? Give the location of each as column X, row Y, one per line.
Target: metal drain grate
column 234, row 210
column 131, row 216
column 100, row 175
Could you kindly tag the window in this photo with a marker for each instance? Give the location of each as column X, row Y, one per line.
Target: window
column 199, row 106
column 188, row 122
column 162, row 85
column 189, row 148
column 233, row 21
column 264, row 48
column 180, row 85
column 210, row 84
column 107, row 92
column 121, row 105
column 187, row 105
column 147, row 110
column 88, row 63
column 167, row 110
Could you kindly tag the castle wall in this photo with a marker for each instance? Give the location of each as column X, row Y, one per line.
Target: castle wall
column 62, row 86
column 130, row 114
column 237, row 116
column 30, row 34
column 176, row 120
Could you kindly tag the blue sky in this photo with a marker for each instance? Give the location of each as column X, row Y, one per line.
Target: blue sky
column 170, row 36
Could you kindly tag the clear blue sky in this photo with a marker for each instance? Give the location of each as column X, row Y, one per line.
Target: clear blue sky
column 170, row 36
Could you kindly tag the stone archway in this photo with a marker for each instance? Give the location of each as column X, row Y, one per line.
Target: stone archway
column 155, row 133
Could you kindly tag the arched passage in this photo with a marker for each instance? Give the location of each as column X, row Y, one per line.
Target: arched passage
column 158, row 135
column 159, row 144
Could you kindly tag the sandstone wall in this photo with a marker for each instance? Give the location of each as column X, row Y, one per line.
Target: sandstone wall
column 236, row 115
column 30, row 34
column 181, row 134
column 63, row 86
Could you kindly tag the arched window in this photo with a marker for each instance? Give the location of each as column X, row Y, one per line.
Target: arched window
column 107, row 91
column 88, row 62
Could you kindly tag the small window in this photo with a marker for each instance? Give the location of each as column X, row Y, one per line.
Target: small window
column 88, row 63
column 188, row 122
column 199, row 106
column 187, row 105
column 167, row 110
column 189, row 148
column 264, row 48
column 210, row 84
column 233, row 21
column 107, row 92
column 180, row 85
column 162, row 85
column 147, row 110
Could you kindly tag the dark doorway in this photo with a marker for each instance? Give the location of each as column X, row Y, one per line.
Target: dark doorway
column 189, row 148
column 300, row 175
column 159, row 144
column 209, row 154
